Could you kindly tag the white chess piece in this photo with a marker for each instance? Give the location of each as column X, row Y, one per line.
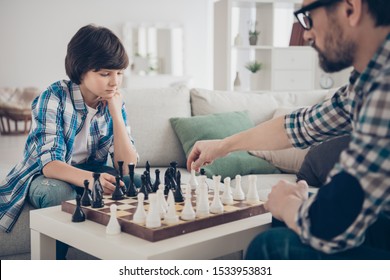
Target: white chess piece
column 227, row 197
column 160, row 203
column 163, row 201
column 140, row 214
column 202, row 201
column 113, row 226
column 153, row 219
column 193, row 181
column 216, row 206
column 171, row 218
column 238, row 193
column 252, row 196
column 188, row 213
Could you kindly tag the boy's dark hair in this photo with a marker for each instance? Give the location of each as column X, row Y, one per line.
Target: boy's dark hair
column 94, row 48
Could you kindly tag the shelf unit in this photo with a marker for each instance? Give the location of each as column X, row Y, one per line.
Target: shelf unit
column 283, row 67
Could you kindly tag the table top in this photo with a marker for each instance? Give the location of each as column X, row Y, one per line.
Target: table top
column 91, row 237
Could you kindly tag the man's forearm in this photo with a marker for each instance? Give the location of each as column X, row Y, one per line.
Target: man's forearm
column 270, row 135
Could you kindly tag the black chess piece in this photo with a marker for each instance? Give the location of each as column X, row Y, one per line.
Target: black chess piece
column 144, row 188
column 149, row 185
column 172, row 178
column 173, row 164
column 120, row 167
column 167, row 182
column 178, row 193
column 86, row 198
column 117, row 194
column 202, row 172
column 157, row 182
column 97, row 192
column 131, row 188
column 78, row 214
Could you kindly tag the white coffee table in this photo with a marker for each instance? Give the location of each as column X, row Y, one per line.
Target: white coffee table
column 51, row 224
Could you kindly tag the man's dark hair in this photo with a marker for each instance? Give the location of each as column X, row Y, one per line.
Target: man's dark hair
column 94, row 48
column 380, row 10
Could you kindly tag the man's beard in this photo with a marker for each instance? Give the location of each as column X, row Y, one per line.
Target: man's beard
column 338, row 52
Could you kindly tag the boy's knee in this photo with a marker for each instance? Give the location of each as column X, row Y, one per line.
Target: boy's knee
column 50, row 192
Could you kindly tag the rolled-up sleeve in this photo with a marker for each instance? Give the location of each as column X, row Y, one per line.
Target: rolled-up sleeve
column 307, row 126
column 47, row 114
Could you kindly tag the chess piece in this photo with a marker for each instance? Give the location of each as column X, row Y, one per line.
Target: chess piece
column 153, row 219
column 78, row 215
column 131, row 188
column 139, row 216
column 157, row 181
column 97, row 192
column 120, row 166
column 227, row 197
column 113, row 227
column 147, row 176
column 86, row 198
column 193, row 181
column 117, row 194
column 202, row 172
column 144, row 188
column 202, row 202
column 171, row 218
column 188, row 213
column 173, row 164
column 161, row 196
column 178, row 192
column 216, row 206
column 252, row 196
column 148, row 182
column 238, row 193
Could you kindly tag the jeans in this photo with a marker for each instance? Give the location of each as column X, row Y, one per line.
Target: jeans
column 281, row 243
column 45, row 192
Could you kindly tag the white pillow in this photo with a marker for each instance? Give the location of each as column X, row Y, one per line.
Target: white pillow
column 260, row 106
column 149, row 111
column 287, row 160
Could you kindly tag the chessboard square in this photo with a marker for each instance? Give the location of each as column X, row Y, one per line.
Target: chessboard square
column 128, row 217
column 231, row 208
column 129, row 201
column 126, row 206
column 179, row 207
column 121, row 213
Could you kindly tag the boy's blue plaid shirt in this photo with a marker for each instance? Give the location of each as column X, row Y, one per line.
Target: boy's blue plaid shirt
column 58, row 115
column 361, row 109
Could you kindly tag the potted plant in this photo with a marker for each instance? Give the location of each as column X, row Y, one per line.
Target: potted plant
column 254, row 67
column 253, row 33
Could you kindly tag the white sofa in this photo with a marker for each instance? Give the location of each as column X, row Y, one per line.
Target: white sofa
column 149, row 113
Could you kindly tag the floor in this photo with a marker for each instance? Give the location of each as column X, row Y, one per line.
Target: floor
column 11, row 152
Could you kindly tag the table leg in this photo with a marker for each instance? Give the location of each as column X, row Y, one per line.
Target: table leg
column 43, row 247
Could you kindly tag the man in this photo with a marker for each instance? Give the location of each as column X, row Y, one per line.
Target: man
column 349, row 217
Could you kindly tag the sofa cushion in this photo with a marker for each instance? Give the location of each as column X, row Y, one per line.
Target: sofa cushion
column 288, row 160
column 218, row 126
column 149, row 111
column 261, row 106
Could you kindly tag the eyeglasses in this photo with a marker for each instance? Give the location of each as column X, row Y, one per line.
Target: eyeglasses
column 303, row 14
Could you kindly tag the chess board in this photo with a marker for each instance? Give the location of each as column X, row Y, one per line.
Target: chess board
column 126, row 208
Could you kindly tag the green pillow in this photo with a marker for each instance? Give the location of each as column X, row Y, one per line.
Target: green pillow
column 219, row 126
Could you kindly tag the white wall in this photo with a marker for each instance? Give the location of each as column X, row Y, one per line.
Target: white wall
column 34, row 34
